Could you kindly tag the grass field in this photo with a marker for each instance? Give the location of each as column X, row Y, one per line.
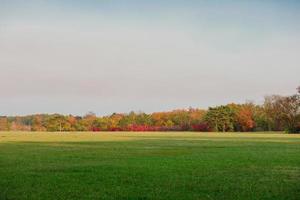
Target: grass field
column 142, row 166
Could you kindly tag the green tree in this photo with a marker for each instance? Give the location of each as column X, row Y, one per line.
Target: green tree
column 58, row 122
column 220, row 118
column 262, row 121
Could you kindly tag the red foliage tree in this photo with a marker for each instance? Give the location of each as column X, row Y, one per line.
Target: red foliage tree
column 245, row 118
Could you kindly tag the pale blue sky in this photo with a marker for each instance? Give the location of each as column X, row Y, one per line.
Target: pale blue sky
column 72, row 57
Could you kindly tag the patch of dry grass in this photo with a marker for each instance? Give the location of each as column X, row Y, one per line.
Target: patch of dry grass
column 127, row 136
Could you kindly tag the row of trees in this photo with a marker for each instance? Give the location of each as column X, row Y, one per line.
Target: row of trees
column 278, row 113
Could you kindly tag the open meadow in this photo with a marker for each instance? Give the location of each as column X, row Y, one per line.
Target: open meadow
column 149, row 165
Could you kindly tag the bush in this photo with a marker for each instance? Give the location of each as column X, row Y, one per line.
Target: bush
column 202, row 127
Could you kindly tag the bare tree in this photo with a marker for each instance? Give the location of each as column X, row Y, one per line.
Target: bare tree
column 283, row 111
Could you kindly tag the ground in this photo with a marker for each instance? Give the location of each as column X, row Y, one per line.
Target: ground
column 144, row 166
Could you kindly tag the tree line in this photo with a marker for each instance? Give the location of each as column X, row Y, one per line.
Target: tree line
column 277, row 113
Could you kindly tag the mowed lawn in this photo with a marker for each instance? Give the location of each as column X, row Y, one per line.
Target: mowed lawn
column 142, row 166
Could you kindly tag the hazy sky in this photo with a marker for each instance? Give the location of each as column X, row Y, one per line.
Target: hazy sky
column 106, row 56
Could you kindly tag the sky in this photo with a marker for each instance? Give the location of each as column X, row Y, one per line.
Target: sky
column 106, row 56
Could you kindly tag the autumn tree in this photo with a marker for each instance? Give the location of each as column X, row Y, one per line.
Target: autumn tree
column 87, row 121
column 38, row 123
column 57, row 122
column 277, row 113
column 245, row 118
column 243, row 115
column 4, row 125
column 159, row 118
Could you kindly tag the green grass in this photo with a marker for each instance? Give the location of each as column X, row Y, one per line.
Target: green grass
column 142, row 166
